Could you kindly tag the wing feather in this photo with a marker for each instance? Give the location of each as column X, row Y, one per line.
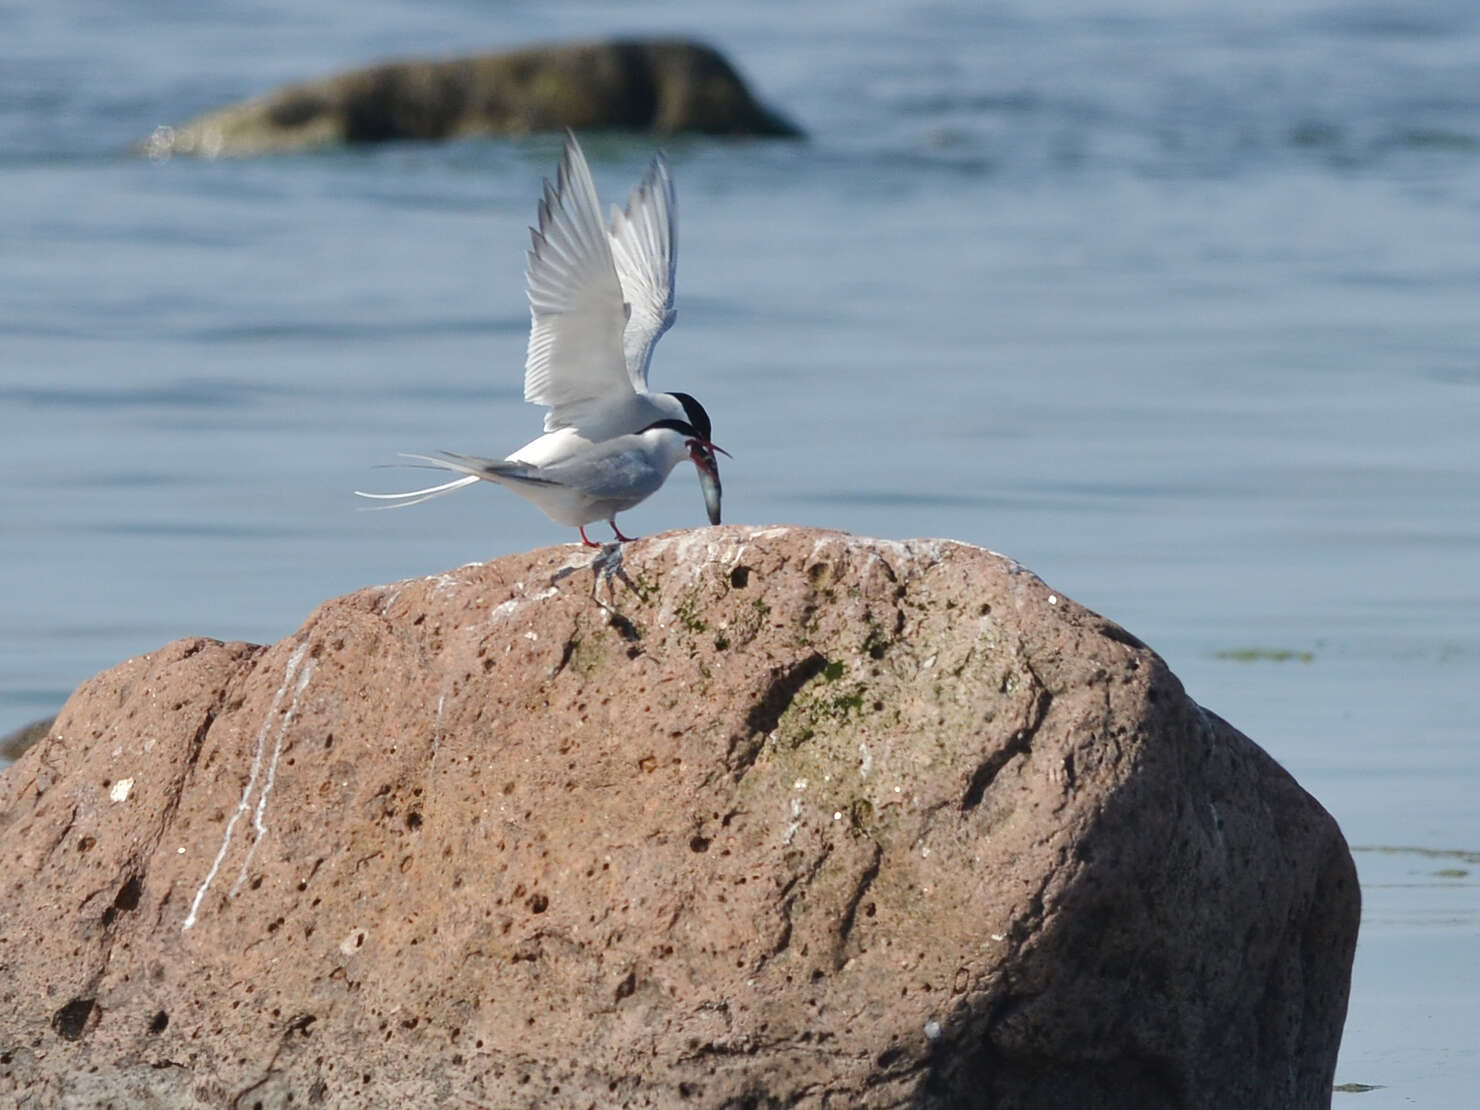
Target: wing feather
column 577, row 314
column 644, row 244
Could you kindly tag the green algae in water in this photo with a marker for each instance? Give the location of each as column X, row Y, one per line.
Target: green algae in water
column 1461, row 854
column 1266, row 655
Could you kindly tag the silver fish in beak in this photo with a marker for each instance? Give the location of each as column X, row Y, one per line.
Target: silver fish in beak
column 708, row 467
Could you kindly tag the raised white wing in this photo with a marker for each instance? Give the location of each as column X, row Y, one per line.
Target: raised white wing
column 644, row 240
column 575, row 361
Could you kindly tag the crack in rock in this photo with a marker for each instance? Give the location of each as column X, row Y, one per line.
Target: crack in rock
column 1020, row 743
column 765, row 715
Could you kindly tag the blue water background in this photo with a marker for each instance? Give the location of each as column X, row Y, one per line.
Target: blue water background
column 1176, row 303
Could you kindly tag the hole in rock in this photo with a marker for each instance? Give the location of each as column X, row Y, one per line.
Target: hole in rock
column 71, row 1020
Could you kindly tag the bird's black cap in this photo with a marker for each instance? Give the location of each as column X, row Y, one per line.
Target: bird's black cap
column 697, row 416
column 682, row 427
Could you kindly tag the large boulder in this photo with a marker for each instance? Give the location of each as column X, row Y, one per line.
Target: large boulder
column 665, row 86
column 774, row 818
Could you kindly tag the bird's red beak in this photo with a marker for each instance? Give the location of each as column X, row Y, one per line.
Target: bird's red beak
column 703, row 452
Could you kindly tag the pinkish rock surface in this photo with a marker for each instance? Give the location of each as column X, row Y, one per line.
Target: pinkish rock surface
column 812, row 821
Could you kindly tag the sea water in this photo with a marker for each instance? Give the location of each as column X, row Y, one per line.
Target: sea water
column 1178, row 304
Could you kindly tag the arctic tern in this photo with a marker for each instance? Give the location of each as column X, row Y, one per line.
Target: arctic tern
column 600, row 298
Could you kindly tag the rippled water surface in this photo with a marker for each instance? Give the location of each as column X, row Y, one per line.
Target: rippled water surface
column 1178, row 304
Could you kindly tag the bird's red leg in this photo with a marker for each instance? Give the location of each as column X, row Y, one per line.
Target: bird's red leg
column 584, row 540
column 620, row 538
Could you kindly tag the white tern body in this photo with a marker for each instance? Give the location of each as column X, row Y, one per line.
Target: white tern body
column 600, row 297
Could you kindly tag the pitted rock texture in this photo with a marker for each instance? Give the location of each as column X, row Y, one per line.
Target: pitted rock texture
column 666, row 86
column 788, row 818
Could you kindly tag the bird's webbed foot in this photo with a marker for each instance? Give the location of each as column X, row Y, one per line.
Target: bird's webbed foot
column 606, row 566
